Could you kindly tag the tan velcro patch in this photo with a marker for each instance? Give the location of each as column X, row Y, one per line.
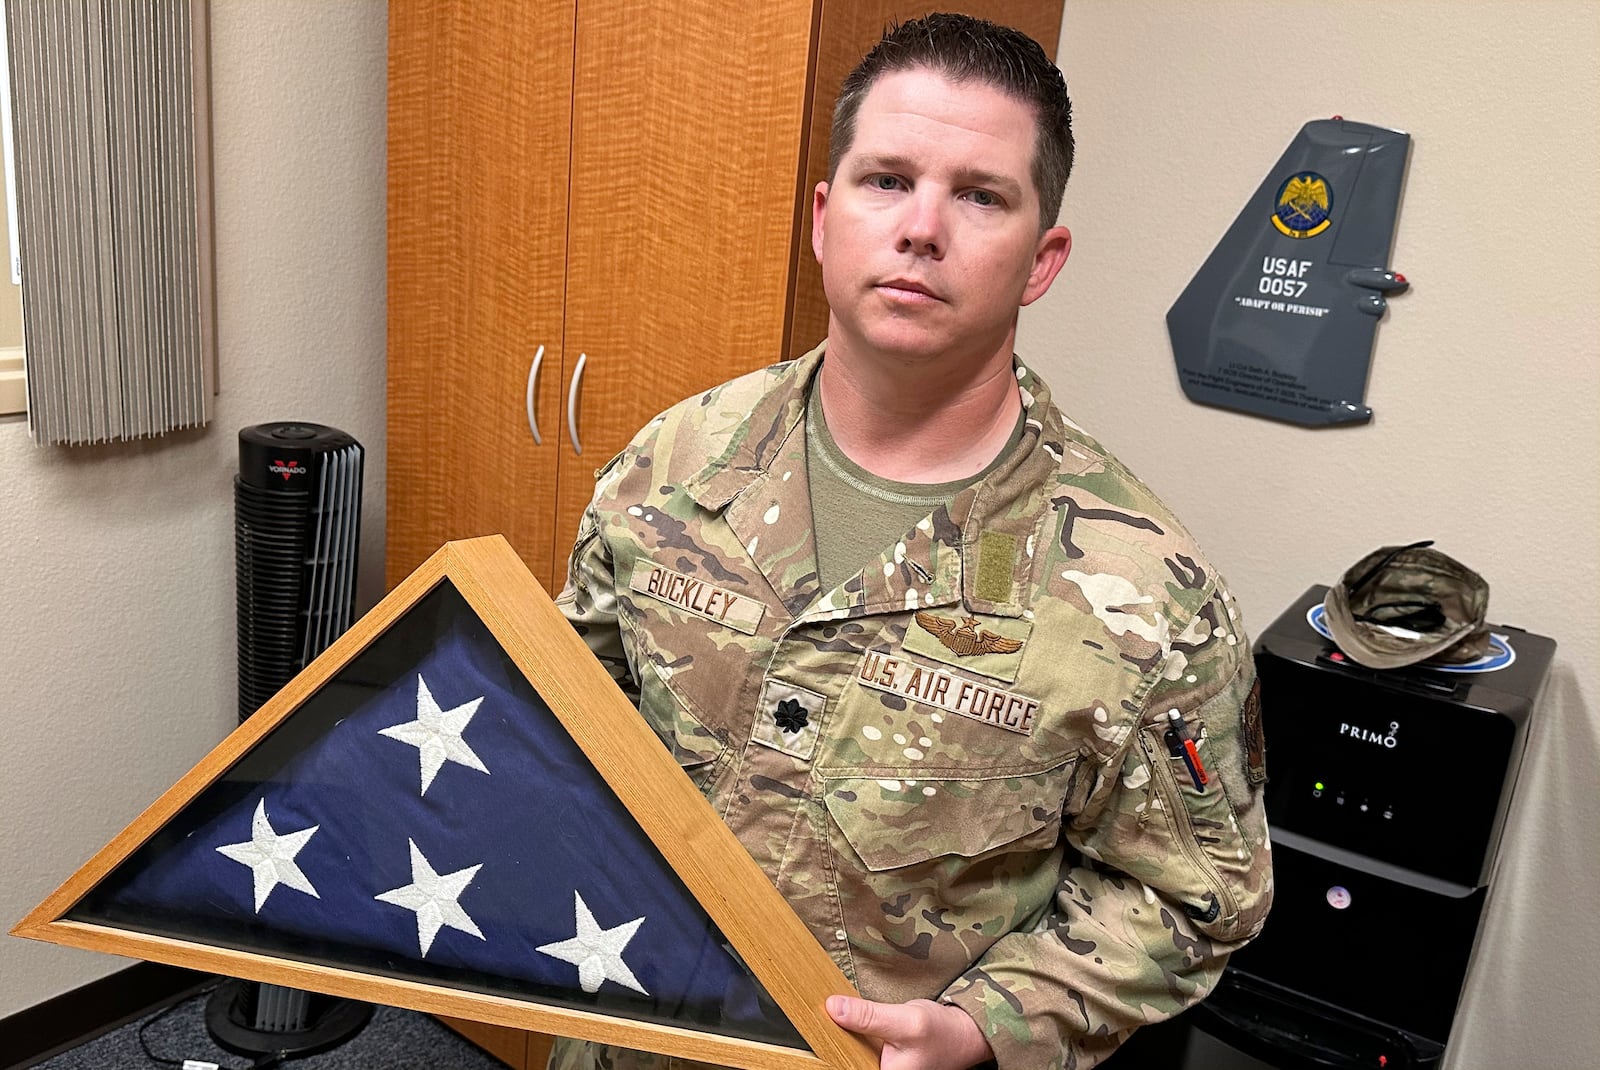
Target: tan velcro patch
column 978, row 699
column 737, row 611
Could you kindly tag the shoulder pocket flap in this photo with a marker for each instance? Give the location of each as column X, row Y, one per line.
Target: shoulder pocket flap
column 894, row 823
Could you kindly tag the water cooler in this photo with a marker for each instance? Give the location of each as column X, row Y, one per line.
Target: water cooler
column 1387, row 798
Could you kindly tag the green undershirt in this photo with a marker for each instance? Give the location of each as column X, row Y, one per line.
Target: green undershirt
column 855, row 515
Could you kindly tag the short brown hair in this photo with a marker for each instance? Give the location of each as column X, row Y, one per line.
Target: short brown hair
column 964, row 48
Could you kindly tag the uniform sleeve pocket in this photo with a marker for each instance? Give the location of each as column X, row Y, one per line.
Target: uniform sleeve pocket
column 889, row 824
column 1216, row 866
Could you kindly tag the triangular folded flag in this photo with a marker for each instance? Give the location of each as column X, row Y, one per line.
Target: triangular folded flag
column 455, row 809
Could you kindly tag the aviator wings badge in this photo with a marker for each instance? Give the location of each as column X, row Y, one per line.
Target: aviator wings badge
column 965, row 640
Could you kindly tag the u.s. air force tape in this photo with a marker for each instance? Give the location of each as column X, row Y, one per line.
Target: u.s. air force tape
column 737, row 611
column 978, row 699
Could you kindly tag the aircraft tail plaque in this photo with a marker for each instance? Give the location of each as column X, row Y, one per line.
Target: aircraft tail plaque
column 1280, row 319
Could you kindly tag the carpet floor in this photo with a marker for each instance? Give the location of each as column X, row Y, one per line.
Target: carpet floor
column 393, row 1040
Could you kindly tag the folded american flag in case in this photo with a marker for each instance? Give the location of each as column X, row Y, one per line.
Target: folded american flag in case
column 429, row 817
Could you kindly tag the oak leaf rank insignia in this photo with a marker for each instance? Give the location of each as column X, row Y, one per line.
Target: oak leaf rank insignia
column 965, row 639
column 791, row 716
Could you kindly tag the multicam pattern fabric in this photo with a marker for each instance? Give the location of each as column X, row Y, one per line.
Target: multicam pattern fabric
column 1400, row 605
column 1012, row 833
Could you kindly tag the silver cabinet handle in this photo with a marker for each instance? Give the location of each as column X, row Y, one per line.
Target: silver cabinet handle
column 533, row 382
column 572, row 403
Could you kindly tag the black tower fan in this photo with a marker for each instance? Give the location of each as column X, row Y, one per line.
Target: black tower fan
column 297, row 523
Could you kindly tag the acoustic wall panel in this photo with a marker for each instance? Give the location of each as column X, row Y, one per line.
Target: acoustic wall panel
column 110, row 131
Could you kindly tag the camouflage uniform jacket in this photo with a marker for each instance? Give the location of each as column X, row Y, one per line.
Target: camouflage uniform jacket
column 955, row 765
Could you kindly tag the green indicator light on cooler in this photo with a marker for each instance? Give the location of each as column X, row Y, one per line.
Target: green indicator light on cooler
column 1319, row 785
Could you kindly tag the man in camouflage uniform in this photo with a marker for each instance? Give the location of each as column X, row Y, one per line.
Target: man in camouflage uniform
column 1006, row 763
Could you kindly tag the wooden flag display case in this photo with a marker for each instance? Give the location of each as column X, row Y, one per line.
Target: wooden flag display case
column 455, row 809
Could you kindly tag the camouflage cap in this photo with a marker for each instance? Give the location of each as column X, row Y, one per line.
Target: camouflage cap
column 1401, row 605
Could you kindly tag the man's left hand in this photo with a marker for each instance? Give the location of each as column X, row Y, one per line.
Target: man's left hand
column 918, row 1035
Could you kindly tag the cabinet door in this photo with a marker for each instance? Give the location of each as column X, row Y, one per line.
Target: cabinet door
column 479, row 125
column 687, row 148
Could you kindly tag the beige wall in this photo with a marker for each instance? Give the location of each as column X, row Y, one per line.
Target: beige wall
column 1484, row 376
column 116, row 563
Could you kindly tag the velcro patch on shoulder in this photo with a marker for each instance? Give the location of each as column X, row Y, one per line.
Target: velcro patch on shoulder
column 997, row 560
column 739, row 612
column 1255, row 743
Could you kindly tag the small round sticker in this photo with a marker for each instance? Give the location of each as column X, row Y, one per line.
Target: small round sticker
column 1338, row 897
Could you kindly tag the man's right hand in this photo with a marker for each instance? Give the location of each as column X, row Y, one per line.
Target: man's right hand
column 917, row 1035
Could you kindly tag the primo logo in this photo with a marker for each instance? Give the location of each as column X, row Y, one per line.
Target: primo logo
column 1367, row 735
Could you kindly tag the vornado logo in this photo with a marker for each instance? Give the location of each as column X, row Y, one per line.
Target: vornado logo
column 287, row 468
column 1368, row 735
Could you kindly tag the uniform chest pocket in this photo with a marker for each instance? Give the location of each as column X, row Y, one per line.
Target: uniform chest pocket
column 888, row 824
column 928, row 874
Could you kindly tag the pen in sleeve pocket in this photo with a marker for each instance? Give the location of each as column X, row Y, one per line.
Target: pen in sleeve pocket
column 1181, row 744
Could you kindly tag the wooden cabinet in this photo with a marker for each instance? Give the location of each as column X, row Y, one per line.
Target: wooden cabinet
column 618, row 190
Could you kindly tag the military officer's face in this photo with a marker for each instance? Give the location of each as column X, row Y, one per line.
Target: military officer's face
column 928, row 234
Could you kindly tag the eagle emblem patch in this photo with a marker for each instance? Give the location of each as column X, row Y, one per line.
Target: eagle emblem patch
column 1304, row 205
